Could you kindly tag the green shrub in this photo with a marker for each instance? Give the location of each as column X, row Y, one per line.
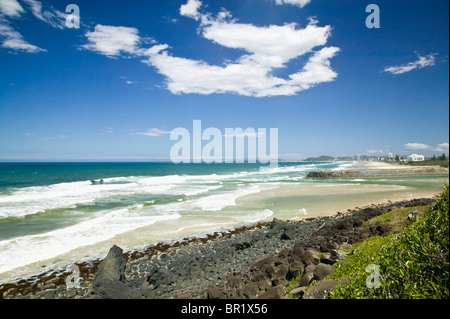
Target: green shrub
column 414, row 264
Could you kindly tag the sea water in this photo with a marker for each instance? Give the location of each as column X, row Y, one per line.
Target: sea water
column 55, row 213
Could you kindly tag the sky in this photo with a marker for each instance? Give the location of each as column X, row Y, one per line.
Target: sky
column 115, row 87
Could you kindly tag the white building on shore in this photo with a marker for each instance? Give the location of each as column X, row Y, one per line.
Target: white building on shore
column 416, row 158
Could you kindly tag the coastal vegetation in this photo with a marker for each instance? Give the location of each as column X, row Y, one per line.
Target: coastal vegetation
column 412, row 264
column 441, row 160
column 431, row 162
column 322, row 158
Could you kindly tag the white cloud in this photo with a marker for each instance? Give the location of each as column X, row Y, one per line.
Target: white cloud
column 127, row 81
column 317, row 70
column 422, row 62
column 299, row 3
column 443, row 147
column 417, row 146
column 265, row 48
column 271, row 46
column 154, row 132
column 11, row 8
column 190, row 9
column 108, row 131
column 112, row 41
column 11, row 39
column 36, row 8
column 55, row 18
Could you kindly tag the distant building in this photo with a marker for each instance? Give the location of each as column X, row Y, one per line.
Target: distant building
column 416, row 158
column 390, row 156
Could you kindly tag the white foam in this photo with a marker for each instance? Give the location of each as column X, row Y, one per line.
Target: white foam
column 36, row 199
column 206, row 195
column 253, row 217
column 200, row 226
column 31, row 200
column 25, row 250
column 344, row 166
column 199, row 189
column 217, row 202
column 303, row 211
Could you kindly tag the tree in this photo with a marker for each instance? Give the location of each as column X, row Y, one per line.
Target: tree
column 397, row 158
column 442, row 157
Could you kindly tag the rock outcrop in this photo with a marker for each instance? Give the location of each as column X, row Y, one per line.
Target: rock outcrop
column 109, row 283
column 363, row 173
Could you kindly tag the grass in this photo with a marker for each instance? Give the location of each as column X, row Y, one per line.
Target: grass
column 353, row 268
column 413, row 264
column 441, row 163
column 292, row 284
column 397, row 219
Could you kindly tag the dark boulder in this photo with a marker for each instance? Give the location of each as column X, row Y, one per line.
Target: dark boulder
column 242, row 245
column 321, row 290
column 306, row 279
column 273, row 293
column 323, row 270
column 296, row 268
column 251, row 290
column 278, row 224
column 309, row 259
column 112, row 268
column 288, row 234
column 214, row 293
column 109, row 283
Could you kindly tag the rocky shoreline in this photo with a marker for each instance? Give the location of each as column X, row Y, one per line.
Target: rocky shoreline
column 367, row 173
column 250, row 262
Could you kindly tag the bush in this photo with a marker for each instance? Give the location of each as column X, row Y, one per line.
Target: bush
column 414, row 264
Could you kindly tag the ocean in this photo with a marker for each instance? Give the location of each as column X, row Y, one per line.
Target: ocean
column 52, row 214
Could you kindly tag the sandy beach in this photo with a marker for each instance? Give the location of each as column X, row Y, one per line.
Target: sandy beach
column 295, row 199
column 222, row 265
column 375, row 183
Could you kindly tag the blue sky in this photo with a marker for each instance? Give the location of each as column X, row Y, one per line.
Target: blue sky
column 134, row 70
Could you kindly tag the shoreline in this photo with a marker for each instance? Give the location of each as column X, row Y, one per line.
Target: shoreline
column 328, row 210
column 236, row 240
column 367, row 169
column 55, row 277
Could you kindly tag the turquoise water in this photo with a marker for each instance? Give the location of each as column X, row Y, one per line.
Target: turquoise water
column 41, row 197
column 51, row 212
